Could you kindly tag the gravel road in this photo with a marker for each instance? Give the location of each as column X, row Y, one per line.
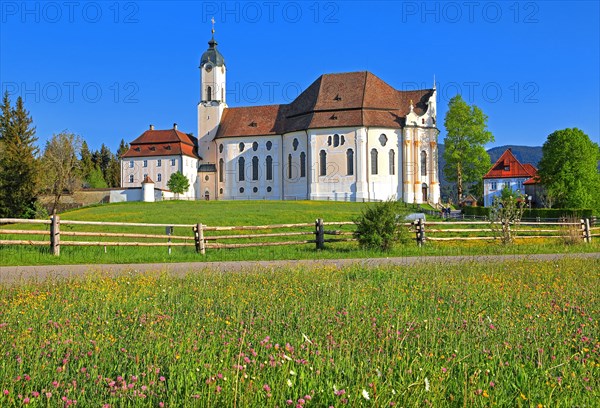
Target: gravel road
column 10, row 275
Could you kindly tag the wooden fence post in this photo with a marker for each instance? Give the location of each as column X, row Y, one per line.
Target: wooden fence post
column 199, row 238
column 587, row 234
column 319, row 234
column 420, row 231
column 55, row 234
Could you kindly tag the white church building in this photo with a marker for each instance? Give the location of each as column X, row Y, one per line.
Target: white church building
column 348, row 136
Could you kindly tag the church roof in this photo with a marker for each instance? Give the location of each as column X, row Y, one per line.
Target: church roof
column 333, row 100
column 162, row 143
column 507, row 166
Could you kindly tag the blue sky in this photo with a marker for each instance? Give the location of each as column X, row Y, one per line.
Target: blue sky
column 106, row 70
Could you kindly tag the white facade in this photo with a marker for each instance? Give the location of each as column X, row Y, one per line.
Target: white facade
column 493, row 187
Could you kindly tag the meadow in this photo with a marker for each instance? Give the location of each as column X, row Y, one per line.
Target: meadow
column 235, row 213
column 515, row 333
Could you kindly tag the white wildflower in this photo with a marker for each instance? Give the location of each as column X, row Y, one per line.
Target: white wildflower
column 288, row 358
column 426, row 384
column 365, row 394
column 378, row 372
column 292, row 372
column 305, row 337
column 289, row 382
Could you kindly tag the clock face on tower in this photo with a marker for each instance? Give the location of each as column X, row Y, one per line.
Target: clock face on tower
column 208, row 67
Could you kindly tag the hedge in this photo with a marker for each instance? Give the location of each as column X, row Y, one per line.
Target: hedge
column 551, row 213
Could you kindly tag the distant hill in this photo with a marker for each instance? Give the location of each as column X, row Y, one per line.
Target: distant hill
column 524, row 154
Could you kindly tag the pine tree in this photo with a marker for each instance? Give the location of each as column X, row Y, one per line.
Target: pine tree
column 18, row 162
column 123, row 147
column 87, row 165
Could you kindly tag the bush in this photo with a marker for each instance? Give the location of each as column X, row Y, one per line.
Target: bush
column 380, row 226
column 555, row 213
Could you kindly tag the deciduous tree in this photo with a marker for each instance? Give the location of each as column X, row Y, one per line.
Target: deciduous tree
column 568, row 169
column 61, row 168
column 467, row 133
column 178, row 183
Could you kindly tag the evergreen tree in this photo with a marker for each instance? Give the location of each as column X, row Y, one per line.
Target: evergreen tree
column 87, row 165
column 18, row 161
column 123, row 147
column 465, row 155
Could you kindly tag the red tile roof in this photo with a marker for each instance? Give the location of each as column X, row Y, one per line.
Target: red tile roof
column 162, row 143
column 333, row 100
column 507, row 166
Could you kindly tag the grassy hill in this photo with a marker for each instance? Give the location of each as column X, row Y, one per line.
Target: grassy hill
column 219, row 212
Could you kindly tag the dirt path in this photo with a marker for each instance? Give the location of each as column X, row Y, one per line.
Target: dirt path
column 22, row 274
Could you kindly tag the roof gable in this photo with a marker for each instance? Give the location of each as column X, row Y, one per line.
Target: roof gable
column 507, row 166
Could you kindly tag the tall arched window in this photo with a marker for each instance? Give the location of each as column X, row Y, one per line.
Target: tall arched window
column 374, row 166
column 350, row 162
column 209, row 93
column 392, row 162
column 289, row 166
column 241, row 168
column 423, row 163
column 269, row 168
column 302, row 164
column 336, row 140
column 323, row 163
column 255, row 168
column 221, row 170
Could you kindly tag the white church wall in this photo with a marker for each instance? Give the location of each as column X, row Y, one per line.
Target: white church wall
column 250, row 188
column 383, row 184
column 339, row 180
column 293, row 173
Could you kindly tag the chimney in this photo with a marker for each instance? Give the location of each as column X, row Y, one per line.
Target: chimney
column 151, row 127
column 175, row 126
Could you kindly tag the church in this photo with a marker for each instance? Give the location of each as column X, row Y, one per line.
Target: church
column 348, row 137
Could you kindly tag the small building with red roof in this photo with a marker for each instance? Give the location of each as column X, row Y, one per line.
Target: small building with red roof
column 156, row 154
column 507, row 172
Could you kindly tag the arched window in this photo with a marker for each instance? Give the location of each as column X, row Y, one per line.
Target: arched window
column 295, row 144
column 392, row 162
column 323, row 163
column 221, row 148
column 221, row 170
column 255, row 146
column 302, row 164
column 209, row 93
column 241, row 147
column 423, row 163
column 255, row 168
column 350, row 162
column 289, row 166
column 374, row 166
column 222, row 94
column 241, row 168
column 269, row 168
column 383, row 139
column 329, row 141
column 336, row 140
column 269, row 145
column 343, row 140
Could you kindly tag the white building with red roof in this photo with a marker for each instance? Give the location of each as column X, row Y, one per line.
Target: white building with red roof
column 348, row 136
column 507, row 172
column 157, row 154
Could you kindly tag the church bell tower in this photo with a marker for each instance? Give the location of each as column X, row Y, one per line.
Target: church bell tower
column 212, row 98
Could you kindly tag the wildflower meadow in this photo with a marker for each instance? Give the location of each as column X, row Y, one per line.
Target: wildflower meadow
column 515, row 333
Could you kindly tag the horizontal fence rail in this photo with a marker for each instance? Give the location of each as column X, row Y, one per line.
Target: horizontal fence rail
column 205, row 237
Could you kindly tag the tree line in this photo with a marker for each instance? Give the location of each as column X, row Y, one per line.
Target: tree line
column 64, row 165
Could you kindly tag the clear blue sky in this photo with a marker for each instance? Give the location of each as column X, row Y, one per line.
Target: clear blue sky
column 106, row 70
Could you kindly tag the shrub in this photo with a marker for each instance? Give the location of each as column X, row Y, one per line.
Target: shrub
column 507, row 209
column 477, row 211
column 380, row 226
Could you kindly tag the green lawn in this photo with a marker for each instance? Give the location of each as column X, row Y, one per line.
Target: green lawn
column 510, row 334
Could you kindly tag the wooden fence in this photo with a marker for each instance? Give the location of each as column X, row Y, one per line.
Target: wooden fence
column 204, row 237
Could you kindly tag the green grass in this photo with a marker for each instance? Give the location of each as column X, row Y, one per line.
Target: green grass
column 225, row 213
column 509, row 334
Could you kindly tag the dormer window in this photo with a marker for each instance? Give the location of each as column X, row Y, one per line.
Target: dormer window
column 337, row 98
column 168, row 147
column 506, row 168
column 152, row 148
column 253, row 124
column 137, row 148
